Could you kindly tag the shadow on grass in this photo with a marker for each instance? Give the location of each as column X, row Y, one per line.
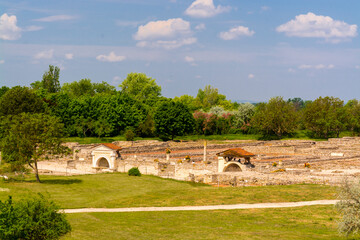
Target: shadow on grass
column 57, row 181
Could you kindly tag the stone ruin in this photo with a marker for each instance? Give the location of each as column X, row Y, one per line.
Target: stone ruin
column 275, row 162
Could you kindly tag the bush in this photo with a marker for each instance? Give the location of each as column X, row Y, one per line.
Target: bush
column 35, row 218
column 129, row 135
column 134, row 172
column 349, row 207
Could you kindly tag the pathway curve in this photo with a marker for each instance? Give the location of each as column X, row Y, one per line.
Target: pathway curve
column 202, row 208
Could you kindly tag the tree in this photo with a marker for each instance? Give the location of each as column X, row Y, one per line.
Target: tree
column 187, row 100
column 34, row 218
column 78, row 89
column 243, row 115
column 349, row 208
column 50, row 79
column 173, row 119
column 20, row 99
column 352, row 109
column 85, row 87
column 140, row 87
column 3, row 90
column 210, row 97
column 325, row 116
column 298, row 103
column 276, row 117
column 28, row 138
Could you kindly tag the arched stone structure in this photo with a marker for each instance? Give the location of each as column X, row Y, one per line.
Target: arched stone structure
column 232, row 167
column 106, row 155
column 234, row 160
column 102, row 162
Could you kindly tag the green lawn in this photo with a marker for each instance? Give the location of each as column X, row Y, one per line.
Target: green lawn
column 315, row 222
column 120, row 190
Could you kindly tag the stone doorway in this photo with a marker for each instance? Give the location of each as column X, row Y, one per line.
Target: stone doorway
column 103, row 163
column 233, row 168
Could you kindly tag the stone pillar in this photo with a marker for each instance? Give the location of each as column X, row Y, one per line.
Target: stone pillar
column 221, row 164
column 205, row 145
column 93, row 160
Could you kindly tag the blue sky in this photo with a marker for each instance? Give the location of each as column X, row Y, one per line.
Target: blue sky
column 249, row 50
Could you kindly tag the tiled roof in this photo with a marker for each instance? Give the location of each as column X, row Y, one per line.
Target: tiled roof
column 112, row 146
column 235, row 152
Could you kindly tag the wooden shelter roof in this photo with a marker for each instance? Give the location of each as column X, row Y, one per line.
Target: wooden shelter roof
column 235, row 152
column 112, row 146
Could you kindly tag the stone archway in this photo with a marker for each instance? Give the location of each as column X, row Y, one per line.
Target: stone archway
column 103, row 163
column 232, row 167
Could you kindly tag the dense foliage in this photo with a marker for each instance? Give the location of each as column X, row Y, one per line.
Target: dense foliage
column 173, row 119
column 99, row 110
column 27, row 138
column 34, row 218
column 134, row 172
column 349, row 208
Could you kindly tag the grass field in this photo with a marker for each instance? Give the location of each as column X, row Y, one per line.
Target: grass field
column 120, row 190
column 316, row 222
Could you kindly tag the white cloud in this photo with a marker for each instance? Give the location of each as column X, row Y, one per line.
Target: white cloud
column 32, row 28
column 317, row 26
column 236, row 32
column 357, row 66
column 8, row 28
column 169, row 34
column 69, row 56
column 205, row 9
column 2, row 61
column 110, row 58
column 116, row 79
column 200, row 26
column 265, row 8
column 251, row 76
column 190, row 60
column 317, row 67
column 56, row 18
column 48, row 54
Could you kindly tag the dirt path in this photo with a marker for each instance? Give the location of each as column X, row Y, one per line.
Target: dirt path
column 203, row 208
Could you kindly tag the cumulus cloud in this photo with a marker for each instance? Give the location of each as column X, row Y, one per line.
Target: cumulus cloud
column 317, row 26
column 200, row 26
column 48, row 54
column 110, row 58
column 190, row 60
column 69, row 56
column 169, row 34
column 251, row 76
column 56, row 18
column 205, row 9
column 317, row 67
column 8, row 28
column 236, row 32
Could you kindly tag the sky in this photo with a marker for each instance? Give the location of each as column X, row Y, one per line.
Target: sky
column 249, row 50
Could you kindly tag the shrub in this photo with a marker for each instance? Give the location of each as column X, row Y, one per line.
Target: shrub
column 307, row 165
column 129, row 135
column 349, row 207
column 274, row 164
column 134, row 172
column 35, row 218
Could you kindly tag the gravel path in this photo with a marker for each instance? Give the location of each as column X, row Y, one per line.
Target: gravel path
column 202, row 208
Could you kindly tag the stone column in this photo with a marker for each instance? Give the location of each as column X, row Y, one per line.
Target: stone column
column 205, row 145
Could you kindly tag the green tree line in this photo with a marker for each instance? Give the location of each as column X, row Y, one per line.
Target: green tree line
column 99, row 109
